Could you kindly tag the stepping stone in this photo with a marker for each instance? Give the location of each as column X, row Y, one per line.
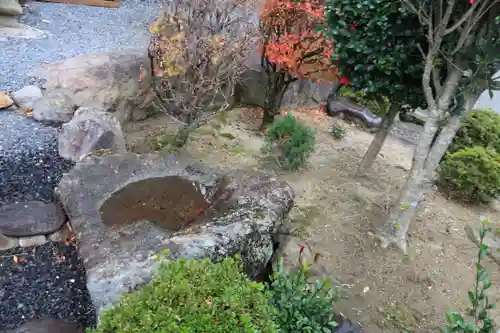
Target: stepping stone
column 31, row 218
column 30, row 165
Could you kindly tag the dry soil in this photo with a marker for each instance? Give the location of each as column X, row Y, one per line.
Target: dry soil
column 385, row 290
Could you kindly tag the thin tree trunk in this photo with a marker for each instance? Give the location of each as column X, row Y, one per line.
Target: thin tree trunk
column 421, row 180
column 378, row 141
column 274, row 96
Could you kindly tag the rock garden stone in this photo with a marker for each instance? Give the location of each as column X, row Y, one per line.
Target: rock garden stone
column 30, row 165
column 55, row 107
column 251, row 90
column 118, row 82
column 90, row 130
column 31, row 218
column 62, row 235
column 32, row 241
column 125, row 208
column 343, row 107
column 7, row 242
column 26, row 97
column 10, row 8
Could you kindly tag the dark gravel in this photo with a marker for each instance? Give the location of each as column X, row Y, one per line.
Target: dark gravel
column 30, row 166
column 47, row 281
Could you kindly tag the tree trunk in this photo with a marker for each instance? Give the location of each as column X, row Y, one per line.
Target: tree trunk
column 422, row 176
column 276, row 89
column 379, row 139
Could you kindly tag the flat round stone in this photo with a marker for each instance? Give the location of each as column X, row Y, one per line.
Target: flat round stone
column 31, row 218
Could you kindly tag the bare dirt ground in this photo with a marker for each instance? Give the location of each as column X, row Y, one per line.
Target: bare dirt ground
column 338, row 213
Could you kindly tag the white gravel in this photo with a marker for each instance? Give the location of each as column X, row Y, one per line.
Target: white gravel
column 73, row 30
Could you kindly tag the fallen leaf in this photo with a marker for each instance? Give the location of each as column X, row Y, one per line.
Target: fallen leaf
column 17, row 260
column 28, row 112
column 5, row 100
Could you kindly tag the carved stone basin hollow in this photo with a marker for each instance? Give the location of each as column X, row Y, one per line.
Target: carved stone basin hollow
column 171, row 202
column 128, row 208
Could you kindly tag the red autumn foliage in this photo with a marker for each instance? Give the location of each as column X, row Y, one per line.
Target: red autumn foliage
column 292, row 40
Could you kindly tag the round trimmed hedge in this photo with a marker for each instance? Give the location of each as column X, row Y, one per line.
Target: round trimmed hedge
column 193, row 296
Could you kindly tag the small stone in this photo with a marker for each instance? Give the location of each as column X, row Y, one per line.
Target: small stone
column 5, row 100
column 10, row 8
column 32, row 241
column 90, row 130
column 54, row 107
column 31, row 218
column 61, row 235
column 27, row 96
column 7, row 242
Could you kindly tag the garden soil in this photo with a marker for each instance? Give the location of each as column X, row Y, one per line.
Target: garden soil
column 338, row 213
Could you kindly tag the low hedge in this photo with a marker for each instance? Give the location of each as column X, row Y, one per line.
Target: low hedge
column 191, row 296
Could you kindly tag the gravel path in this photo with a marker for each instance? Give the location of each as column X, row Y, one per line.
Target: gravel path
column 73, row 30
column 30, row 166
column 43, row 281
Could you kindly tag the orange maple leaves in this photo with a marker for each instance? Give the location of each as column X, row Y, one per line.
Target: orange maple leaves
column 293, row 40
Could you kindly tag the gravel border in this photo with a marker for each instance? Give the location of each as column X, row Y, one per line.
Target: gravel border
column 73, row 30
column 43, row 281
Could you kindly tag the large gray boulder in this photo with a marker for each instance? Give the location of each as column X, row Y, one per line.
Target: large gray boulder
column 126, row 208
column 90, row 130
column 117, row 82
column 251, row 87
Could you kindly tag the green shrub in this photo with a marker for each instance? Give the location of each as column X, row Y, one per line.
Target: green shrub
column 290, row 142
column 480, row 128
column 190, row 296
column 479, row 302
column 471, row 174
column 302, row 306
column 338, row 131
column 379, row 107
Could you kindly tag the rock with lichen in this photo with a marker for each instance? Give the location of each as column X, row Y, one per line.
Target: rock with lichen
column 126, row 208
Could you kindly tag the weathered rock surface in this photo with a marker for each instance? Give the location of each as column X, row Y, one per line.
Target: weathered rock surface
column 7, row 242
column 251, row 90
column 88, row 131
column 56, row 106
column 116, row 82
column 347, row 109
column 27, row 96
column 31, row 218
column 10, row 8
column 193, row 211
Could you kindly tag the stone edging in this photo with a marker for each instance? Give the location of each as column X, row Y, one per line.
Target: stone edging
column 60, row 235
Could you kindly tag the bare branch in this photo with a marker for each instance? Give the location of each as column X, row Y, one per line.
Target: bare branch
column 462, row 19
column 424, row 19
column 199, row 49
column 472, row 23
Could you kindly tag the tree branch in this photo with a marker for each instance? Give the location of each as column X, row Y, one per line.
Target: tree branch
column 462, row 19
column 472, row 24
